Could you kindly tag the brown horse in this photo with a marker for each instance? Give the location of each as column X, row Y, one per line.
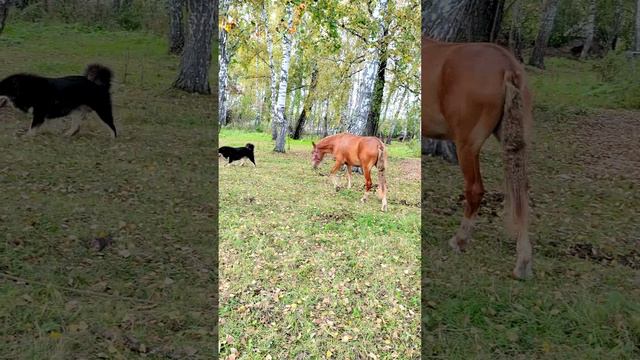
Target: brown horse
column 470, row 91
column 352, row 150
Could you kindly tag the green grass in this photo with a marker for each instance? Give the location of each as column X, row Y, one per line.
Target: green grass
column 152, row 190
column 307, row 272
column 581, row 85
column 580, row 305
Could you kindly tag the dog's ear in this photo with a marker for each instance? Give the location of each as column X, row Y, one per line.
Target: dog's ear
column 3, row 101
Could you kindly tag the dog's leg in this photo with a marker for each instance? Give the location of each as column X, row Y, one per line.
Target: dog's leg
column 76, row 119
column 38, row 120
column 105, row 113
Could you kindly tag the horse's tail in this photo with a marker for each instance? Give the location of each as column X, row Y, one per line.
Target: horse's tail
column 381, row 164
column 513, row 134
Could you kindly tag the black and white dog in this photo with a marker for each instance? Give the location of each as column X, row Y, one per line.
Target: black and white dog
column 53, row 98
column 232, row 154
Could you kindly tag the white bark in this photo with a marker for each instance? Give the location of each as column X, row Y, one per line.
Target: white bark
column 544, row 33
column 225, row 57
column 287, row 45
column 272, row 68
column 358, row 121
column 637, row 46
column 591, row 25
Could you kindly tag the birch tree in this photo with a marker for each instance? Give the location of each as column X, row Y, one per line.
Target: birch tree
column 4, row 13
column 515, row 33
column 196, row 58
column 637, row 37
column 307, row 104
column 590, row 30
column 367, row 85
column 544, row 33
column 287, row 45
column 272, row 70
column 225, row 58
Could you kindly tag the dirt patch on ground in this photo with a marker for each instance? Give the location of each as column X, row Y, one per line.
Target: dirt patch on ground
column 411, row 169
column 332, row 217
column 611, row 140
column 593, row 253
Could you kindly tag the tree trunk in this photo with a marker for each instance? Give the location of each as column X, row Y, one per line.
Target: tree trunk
column 225, row 58
column 373, row 118
column 463, row 20
column 4, row 13
column 617, row 25
column 591, row 26
column 308, row 104
column 176, row 33
column 196, row 57
column 369, row 98
column 637, row 43
column 515, row 34
column 544, row 33
column 281, row 120
column 272, row 70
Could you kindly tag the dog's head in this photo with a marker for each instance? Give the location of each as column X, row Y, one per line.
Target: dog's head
column 249, row 146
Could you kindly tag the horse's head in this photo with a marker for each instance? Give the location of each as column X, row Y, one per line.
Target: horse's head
column 316, row 156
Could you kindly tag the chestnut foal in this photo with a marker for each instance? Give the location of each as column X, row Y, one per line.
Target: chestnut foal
column 352, row 150
column 470, row 91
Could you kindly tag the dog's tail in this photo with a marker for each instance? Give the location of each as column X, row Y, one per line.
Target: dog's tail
column 99, row 74
column 249, row 146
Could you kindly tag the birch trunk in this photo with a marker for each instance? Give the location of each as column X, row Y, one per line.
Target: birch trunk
column 176, row 33
column 287, row 46
column 225, row 58
column 617, row 24
column 637, row 44
column 367, row 114
column 272, row 70
column 4, row 13
column 196, row 57
column 515, row 34
column 544, row 33
column 308, row 104
column 591, row 25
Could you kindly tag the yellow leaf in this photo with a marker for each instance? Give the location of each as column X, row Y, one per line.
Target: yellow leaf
column 55, row 335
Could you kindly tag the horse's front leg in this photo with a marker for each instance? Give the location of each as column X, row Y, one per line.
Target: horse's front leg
column 473, row 192
column 333, row 176
column 348, row 176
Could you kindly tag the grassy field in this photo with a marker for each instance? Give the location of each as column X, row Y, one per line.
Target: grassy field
column 584, row 302
column 151, row 291
column 310, row 273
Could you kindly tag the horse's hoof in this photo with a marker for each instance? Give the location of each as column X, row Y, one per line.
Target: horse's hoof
column 523, row 270
column 458, row 245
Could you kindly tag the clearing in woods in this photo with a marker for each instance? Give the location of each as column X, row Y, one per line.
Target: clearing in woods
column 307, row 272
column 151, row 192
column 583, row 302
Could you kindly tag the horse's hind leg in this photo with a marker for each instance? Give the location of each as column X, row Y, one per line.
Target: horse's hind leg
column 473, row 192
column 366, row 170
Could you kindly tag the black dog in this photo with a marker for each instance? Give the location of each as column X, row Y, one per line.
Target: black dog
column 53, row 98
column 232, row 154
